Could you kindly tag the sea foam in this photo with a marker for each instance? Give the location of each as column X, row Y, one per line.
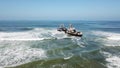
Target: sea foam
column 13, row 53
column 32, row 35
column 109, row 35
column 112, row 60
column 109, row 38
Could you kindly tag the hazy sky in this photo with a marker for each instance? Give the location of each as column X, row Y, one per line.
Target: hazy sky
column 59, row 9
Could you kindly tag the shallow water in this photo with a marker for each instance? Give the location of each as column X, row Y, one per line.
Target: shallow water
column 37, row 44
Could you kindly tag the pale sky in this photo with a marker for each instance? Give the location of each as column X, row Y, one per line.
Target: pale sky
column 59, row 9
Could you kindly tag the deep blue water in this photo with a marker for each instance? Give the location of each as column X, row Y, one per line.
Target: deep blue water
column 102, row 25
column 38, row 44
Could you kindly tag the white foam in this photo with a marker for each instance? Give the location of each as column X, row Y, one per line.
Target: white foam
column 68, row 57
column 114, row 37
column 14, row 50
column 112, row 60
column 18, row 36
column 108, row 38
column 109, row 35
column 36, row 34
column 19, row 53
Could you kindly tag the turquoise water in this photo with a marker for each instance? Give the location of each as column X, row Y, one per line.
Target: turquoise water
column 37, row 44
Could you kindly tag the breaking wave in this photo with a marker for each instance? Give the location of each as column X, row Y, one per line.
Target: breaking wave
column 112, row 60
column 35, row 34
column 111, row 47
column 108, row 35
column 16, row 47
column 16, row 53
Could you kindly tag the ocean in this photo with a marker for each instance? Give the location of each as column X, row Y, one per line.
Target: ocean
column 38, row 44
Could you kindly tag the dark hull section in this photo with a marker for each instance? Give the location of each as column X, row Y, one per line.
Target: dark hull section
column 62, row 29
column 73, row 34
column 78, row 34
